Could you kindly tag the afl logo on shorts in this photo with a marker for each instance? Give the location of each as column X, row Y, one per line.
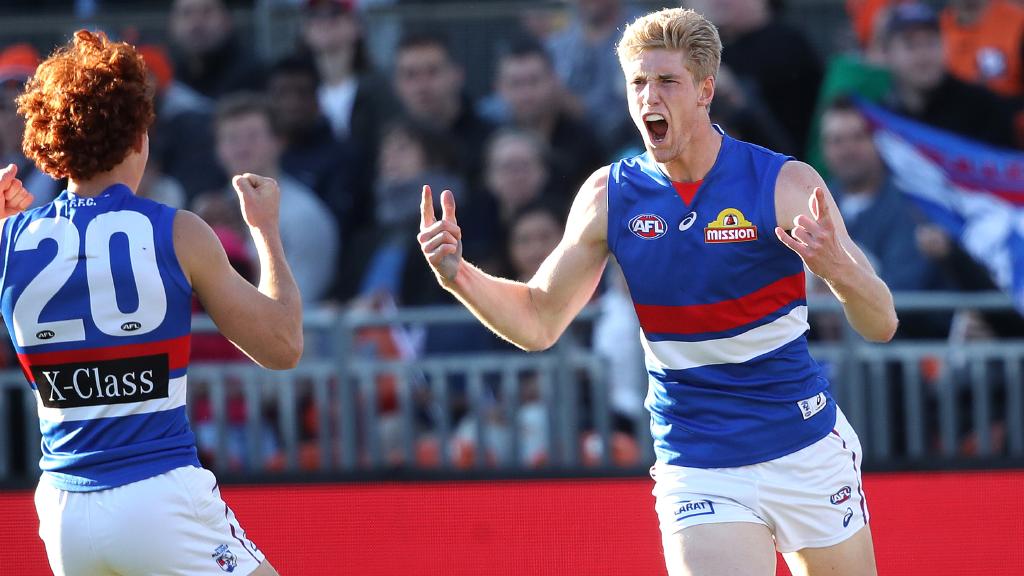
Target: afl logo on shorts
column 841, row 496
column 648, row 226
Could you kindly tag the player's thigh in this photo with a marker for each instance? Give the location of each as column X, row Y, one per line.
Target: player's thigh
column 854, row 556
column 726, row 548
column 265, row 569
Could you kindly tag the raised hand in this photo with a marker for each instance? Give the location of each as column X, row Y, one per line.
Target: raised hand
column 260, row 199
column 440, row 240
column 14, row 198
column 814, row 239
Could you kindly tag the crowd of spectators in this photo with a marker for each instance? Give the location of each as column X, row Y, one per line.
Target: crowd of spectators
column 351, row 141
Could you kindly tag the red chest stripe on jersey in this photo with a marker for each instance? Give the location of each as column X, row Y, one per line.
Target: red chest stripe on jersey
column 177, row 350
column 721, row 316
column 687, row 190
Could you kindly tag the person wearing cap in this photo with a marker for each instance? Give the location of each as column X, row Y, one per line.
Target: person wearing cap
column 923, row 90
column 17, row 63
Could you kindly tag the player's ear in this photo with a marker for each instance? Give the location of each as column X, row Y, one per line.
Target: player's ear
column 707, row 91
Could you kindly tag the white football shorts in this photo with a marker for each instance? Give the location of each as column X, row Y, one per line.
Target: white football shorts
column 173, row 524
column 811, row 498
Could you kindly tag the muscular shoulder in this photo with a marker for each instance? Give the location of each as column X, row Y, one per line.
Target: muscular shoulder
column 588, row 218
column 794, row 185
column 195, row 243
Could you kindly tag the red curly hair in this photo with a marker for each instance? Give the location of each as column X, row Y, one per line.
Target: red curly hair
column 86, row 107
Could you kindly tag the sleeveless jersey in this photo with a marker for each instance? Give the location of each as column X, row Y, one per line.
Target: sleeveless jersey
column 722, row 309
column 99, row 312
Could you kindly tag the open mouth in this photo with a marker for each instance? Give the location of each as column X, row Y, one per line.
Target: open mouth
column 657, row 127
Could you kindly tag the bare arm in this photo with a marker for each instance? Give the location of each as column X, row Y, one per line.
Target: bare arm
column 263, row 322
column 532, row 315
column 806, row 208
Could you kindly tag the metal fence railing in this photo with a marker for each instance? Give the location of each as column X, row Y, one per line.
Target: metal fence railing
column 349, row 408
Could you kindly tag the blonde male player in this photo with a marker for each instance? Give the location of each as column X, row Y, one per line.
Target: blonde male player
column 96, row 293
column 752, row 453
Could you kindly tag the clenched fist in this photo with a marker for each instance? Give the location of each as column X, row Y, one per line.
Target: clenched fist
column 13, row 196
column 260, row 199
column 440, row 240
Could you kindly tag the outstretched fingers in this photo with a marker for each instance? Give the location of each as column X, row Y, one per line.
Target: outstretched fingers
column 427, row 217
column 795, row 245
column 448, row 206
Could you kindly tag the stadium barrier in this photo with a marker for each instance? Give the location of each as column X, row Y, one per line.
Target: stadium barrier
column 347, row 410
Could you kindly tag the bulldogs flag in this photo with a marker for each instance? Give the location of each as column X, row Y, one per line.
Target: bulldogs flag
column 972, row 190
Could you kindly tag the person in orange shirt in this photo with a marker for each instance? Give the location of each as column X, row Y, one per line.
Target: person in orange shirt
column 985, row 43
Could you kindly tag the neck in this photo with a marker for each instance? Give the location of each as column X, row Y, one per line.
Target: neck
column 868, row 185
column 447, row 116
column 913, row 99
column 335, row 67
column 95, row 186
column 543, row 124
column 697, row 158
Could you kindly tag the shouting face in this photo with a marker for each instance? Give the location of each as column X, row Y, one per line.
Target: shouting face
column 664, row 100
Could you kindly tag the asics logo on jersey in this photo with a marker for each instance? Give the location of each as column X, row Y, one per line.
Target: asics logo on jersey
column 688, row 221
column 689, row 508
column 96, row 383
column 648, row 226
column 841, row 496
column 730, row 226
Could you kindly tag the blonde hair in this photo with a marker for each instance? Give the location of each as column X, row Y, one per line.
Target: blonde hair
column 675, row 29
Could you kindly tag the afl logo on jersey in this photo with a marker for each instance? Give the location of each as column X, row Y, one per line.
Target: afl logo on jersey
column 730, row 226
column 45, row 334
column 130, row 326
column 648, row 226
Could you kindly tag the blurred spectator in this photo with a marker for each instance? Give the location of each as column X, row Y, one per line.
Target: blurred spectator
column 967, row 275
column 356, row 103
column 923, row 90
column 985, row 43
column 209, row 58
column 516, row 174
column 311, row 154
column 181, row 139
column 775, row 60
column 429, row 85
column 864, row 16
column 534, row 232
column 160, row 187
column 527, row 82
column 584, row 58
column 248, row 140
column 384, row 258
column 17, row 63
column 878, row 216
column 615, row 339
column 745, row 117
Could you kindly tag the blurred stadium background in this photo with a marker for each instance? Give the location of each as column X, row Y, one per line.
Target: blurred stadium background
column 410, row 440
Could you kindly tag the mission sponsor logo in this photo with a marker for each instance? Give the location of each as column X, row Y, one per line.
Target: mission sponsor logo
column 648, row 226
column 102, row 382
column 691, row 508
column 730, row 226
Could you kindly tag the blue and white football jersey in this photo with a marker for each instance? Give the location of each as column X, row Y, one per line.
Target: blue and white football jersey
column 99, row 311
